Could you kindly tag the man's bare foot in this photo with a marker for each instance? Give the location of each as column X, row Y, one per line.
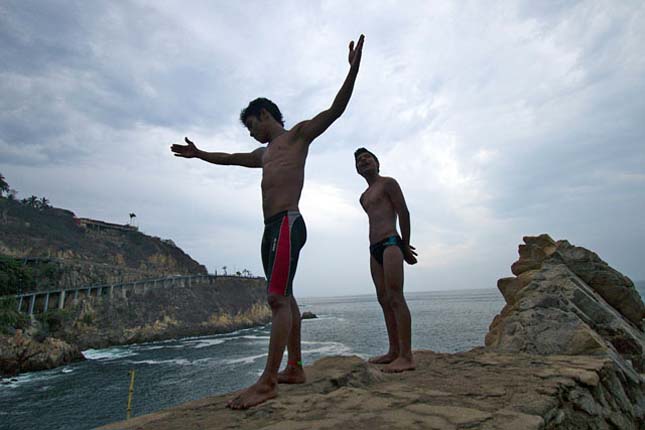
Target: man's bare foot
column 400, row 365
column 254, row 395
column 292, row 375
column 383, row 359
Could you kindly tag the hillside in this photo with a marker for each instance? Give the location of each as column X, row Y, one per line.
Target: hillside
column 63, row 251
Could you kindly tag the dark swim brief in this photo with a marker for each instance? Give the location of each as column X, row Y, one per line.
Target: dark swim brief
column 284, row 236
column 378, row 248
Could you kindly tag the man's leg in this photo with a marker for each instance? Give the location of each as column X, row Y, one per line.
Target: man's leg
column 393, row 276
column 293, row 372
column 267, row 386
column 390, row 320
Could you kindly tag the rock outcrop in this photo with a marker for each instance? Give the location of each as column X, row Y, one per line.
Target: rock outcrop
column 22, row 352
column 566, row 300
column 566, row 352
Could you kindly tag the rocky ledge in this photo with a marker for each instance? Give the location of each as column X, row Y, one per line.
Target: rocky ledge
column 566, row 352
column 22, row 353
column 474, row 390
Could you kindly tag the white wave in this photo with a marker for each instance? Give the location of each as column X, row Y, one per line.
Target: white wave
column 179, row 361
column 67, row 370
column 207, row 360
column 244, row 360
column 331, row 348
column 208, row 342
column 108, row 354
column 25, row 378
column 153, row 348
column 251, row 336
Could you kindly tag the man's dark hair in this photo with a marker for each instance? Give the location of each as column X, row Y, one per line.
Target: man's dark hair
column 254, row 108
column 360, row 151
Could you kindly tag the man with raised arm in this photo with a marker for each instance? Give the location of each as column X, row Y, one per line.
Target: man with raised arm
column 383, row 201
column 283, row 170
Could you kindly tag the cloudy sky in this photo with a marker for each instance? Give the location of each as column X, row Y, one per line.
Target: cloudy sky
column 498, row 119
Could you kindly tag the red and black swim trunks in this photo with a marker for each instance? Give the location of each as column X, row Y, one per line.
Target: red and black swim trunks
column 284, row 236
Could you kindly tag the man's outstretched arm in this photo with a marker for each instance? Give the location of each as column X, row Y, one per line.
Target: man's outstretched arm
column 245, row 159
column 398, row 202
column 314, row 127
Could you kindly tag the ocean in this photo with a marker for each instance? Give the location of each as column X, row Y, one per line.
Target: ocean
column 94, row 392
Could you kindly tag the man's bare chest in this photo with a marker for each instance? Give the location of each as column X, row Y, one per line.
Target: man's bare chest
column 282, row 154
column 375, row 198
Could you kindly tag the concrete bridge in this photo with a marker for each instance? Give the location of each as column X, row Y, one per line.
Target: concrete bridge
column 42, row 301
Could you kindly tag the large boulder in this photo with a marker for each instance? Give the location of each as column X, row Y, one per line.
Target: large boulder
column 566, row 300
column 24, row 353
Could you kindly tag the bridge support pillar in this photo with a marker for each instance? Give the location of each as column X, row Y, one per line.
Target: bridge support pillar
column 32, row 303
column 46, row 302
column 61, row 299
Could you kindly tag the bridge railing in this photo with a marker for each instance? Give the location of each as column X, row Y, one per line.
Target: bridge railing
column 42, row 301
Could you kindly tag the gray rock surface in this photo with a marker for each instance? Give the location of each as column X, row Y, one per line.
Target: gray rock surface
column 471, row 390
column 566, row 300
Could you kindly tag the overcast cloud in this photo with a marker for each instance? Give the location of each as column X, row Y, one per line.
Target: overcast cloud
column 498, row 119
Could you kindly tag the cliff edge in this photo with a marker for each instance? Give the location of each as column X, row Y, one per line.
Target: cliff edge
column 566, row 352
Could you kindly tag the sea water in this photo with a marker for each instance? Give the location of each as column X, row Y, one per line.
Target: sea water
column 94, row 392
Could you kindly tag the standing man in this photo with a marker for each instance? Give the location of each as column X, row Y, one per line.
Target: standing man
column 283, row 170
column 383, row 201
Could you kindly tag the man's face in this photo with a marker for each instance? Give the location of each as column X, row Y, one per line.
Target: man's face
column 366, row 164
column 256, row 129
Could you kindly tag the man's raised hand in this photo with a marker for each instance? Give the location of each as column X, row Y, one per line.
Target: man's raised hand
column 186, row 151
column 356, row 52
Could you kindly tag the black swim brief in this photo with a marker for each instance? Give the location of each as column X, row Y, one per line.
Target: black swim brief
column 284, row 236
column 378, row 248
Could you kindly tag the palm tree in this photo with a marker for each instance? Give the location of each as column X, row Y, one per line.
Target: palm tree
column 44, row 203
column 132, row 216
column 4, row 186
column 224, row 270
column 32, row 201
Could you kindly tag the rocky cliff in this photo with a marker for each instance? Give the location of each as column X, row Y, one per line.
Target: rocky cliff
column 57, row 337
column 64, row 252
column 230, row 303
column 564, row 353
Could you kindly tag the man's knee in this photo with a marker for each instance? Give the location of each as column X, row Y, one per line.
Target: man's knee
column 383, row 298
column 276, row 301
column 396, row 300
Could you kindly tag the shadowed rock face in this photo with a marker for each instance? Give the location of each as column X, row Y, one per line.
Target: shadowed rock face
column 566, row 300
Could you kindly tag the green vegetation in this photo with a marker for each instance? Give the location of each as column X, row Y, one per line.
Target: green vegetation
column 54, row 320
column 14, row 276
column 10, row 317
column 33, row 201
column 4, row 186
column 88, row 319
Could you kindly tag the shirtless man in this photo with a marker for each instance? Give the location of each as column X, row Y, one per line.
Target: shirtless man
column 383, row 201
column 283, row 169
